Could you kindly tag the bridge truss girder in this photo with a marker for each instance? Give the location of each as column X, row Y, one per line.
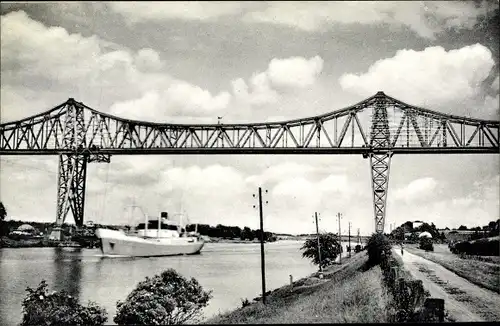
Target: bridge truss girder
column 79, row 135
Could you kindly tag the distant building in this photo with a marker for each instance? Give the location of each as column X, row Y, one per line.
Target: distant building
column 417, row 224
column 24, row 231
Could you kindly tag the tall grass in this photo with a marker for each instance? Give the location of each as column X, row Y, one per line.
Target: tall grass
column 348, row 296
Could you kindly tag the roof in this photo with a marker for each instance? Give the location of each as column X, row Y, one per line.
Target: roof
column 425, row 234
column 26, row 227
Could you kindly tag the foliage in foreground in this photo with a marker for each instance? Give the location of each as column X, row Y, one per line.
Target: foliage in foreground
column 58, row 308
column 378, row 249
column 329, row 246
column 165, row 299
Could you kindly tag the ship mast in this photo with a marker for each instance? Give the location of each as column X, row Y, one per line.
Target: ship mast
column 159, row 227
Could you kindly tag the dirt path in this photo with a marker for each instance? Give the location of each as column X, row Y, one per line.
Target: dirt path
column 464, row 301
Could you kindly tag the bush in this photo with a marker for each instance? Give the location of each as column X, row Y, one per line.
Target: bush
column 426, row 244
column 481, row 247
column 245, row 303
column 330, row 249
column 378, row 249
column 58, row 308
column 165, row 299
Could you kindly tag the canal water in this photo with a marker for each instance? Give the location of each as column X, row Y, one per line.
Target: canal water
column 231, row 271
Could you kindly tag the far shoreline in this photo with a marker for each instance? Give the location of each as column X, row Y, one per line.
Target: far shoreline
column 44, row 243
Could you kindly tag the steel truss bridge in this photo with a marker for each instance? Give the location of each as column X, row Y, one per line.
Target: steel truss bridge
column 377, row 128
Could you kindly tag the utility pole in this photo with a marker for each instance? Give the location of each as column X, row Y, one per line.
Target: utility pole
column 349, row 239
column 319, row 245
column 262, row 259
column 339, row 216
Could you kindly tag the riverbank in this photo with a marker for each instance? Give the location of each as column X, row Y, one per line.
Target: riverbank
column 6, row 242
column 345, row 294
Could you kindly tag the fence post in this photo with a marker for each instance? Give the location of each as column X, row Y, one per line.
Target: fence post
column 394, row 275
column 417, row 293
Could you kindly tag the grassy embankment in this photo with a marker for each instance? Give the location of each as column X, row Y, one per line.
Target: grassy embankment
column 484, row 274
column 346, row 294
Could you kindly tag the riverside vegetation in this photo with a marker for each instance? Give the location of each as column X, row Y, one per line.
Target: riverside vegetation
column 360, row 290
column 165, row 299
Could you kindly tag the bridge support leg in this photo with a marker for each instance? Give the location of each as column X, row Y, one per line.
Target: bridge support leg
column 380, row 166
column 70, row 191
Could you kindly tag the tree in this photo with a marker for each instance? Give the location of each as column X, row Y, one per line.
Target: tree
column 462, row 227
column 3, row 212
column 329, row 245
column 58, row 308
column 378, row 249
column 425, row 243
column 165, row 299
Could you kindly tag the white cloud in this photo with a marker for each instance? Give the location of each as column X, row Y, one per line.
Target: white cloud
column 261, row 92
column 48, row 51
column 148, row 59
column 295, row 71
column 133, row 82
column 336, row 183
column 281, row 74
column 426, row 18
column 275, row 173
column 142, row 108
column 189, row 10
column 195, row 99
column 415, row 190
column 17, row 101
column 433, row 77
column 178, row 101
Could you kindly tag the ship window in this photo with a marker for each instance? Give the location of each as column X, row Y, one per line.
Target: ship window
column 154, row 225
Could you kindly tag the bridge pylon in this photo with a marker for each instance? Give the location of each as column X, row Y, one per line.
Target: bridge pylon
column 72, row 174
column 380, row 159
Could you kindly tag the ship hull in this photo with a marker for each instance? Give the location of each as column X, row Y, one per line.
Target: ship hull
column 116, row 243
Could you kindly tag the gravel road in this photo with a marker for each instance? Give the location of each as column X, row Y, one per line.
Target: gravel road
column 464, row 301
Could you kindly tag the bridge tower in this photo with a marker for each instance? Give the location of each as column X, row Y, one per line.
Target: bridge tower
column 380, row 159
column 72, row 174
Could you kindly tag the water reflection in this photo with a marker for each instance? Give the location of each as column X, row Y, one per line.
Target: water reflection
column 68, row 270
column 231, row 271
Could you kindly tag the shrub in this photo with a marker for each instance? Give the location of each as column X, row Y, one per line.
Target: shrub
column 481, row 247
column 245, row 303
column 378, row 249
column 58, row 308
column 329, row 245
column 165, row 299
column 425, row 243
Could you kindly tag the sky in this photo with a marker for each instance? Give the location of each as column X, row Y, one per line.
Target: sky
column 191, row 62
